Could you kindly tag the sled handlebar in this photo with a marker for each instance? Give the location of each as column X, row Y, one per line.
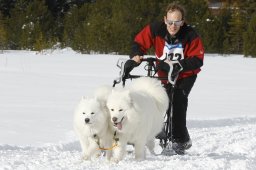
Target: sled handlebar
column 150, row 67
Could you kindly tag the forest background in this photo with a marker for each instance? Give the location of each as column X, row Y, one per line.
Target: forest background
column 109, row 26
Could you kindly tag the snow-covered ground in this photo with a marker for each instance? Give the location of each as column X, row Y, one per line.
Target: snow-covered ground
column 39, row 91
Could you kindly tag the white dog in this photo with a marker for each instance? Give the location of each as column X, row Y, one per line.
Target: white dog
column 137, row 114
column 92, row 124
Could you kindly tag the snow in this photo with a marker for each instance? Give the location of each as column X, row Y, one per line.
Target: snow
column 39, row 91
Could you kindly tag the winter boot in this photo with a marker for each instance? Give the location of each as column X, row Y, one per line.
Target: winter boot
column 176, row 148
column 180, row 147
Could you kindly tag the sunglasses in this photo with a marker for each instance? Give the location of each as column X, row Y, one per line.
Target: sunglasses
column 176, row 23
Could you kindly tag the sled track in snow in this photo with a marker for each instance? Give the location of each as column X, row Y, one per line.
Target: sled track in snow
column 217, row 144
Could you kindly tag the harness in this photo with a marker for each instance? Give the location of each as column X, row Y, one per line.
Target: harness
column 97, row 140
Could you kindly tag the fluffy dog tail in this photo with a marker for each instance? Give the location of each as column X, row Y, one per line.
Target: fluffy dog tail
column 154, row 88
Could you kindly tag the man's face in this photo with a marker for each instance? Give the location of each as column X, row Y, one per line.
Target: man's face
column 173, row 21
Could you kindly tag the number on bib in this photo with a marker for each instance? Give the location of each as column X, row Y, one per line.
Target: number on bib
column 172, row 52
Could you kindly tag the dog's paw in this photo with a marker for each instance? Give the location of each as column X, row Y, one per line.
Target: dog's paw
column 97, row 155
column 109, row 159
column 139, row 159
column 85, row 157
column 114, row 160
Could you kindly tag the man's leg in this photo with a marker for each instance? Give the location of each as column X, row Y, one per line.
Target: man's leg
column 179, row 128
column 180, row 136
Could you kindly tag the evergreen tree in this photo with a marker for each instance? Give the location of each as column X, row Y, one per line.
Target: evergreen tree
column 108, row 27
column 200, row 18
column 234, row 41
column 214, row 31
column 40, row 42
column 250, row 39
column 129, row 18
column 28, row 20
column 98, row 27
column 3, row 36
column 248, row 7
column 15, row 24
column 121, row 27
column 75, row 23
column 5, row 6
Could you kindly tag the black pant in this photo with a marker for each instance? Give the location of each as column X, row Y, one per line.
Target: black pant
column 179, row 101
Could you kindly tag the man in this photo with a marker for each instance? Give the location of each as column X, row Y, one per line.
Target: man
column 174, row 41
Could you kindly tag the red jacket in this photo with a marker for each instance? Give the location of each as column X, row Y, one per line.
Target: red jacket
column 156, row 35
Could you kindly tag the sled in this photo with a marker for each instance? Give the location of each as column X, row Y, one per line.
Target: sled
column 165, row 136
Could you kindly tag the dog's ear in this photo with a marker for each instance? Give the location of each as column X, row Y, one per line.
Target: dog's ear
column 101, row 102
column 102, row 93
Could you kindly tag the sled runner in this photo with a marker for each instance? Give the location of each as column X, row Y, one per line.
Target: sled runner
column 126, row 66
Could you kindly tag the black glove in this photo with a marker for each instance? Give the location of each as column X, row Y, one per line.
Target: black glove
column 163, row 66
column 166, row 67
column 128, row 66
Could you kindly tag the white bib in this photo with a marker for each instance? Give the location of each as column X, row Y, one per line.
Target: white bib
column 172, row 52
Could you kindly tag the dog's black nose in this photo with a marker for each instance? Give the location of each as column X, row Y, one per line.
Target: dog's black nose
column 114, row 119
column 87, row 120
